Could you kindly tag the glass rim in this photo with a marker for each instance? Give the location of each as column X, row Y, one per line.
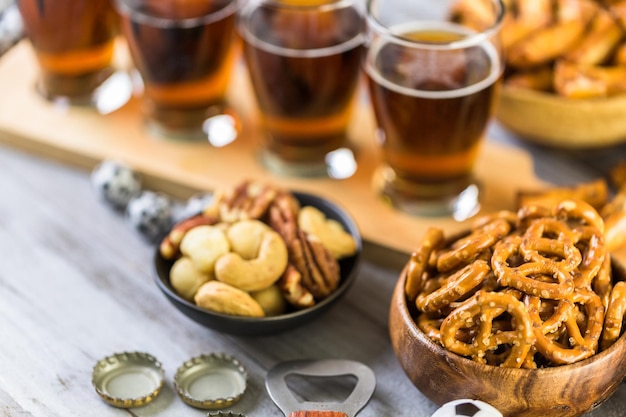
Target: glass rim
column 251, row 6
column 472, row 39
column 124, row 8
column 322, row 7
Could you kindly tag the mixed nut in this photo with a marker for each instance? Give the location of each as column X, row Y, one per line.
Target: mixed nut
column 256, row 252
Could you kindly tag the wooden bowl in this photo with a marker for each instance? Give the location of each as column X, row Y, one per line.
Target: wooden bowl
column 442, row 376
column 548, row 119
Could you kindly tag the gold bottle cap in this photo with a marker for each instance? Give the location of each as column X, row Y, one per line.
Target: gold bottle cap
column 128, row 379
column 211, row 381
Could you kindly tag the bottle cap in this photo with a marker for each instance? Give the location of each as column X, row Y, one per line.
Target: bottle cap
column 212, row 381
column 128, row 379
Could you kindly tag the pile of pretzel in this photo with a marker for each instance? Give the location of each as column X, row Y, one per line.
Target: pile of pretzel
column 575, row 48
column 256, row 252
column 532, row 288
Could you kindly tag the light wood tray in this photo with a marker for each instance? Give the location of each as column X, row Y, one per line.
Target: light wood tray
column 82, row 138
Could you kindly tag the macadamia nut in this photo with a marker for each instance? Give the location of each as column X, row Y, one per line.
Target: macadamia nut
column 271, row 300
column 204, row 245
column 186, row 278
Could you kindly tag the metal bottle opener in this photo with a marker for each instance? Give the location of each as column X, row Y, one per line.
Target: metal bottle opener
column 283, row 397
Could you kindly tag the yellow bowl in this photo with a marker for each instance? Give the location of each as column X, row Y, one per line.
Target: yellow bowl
column 443, row 376
column 551, row 120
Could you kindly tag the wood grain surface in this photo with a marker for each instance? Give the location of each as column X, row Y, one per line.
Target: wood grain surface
column 82, row 137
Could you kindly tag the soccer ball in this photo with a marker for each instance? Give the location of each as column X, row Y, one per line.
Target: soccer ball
column 467, row 408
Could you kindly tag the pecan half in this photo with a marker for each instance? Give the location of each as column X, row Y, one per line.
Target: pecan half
column 291, row 287
column 247, row 201
column 317, row 266
column 283, row 216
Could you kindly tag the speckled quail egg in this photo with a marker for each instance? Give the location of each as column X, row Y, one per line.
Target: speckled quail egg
column 115, row 183
column 150, row 214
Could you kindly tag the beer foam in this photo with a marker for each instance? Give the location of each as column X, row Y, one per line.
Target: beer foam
column 254, row 40
column 472, row 41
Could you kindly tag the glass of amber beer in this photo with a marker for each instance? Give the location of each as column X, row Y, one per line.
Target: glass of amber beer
column 184, row 51
column 304, row 59
column 74, row 42
column 433, row 80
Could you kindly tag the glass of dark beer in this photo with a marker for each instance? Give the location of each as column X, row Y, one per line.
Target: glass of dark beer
column 74, row 42
column 433, row 83
column 185, row 52
column 304, row 59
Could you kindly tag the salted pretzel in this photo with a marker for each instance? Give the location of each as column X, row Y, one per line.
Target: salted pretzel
column 578, row 211
column 527, row 277
column 416, row 274
column 614, row 213
column 454, row 287
column 591, row 244
column 468, row 248
column 430, row 326
column 481, row 310
column 579, row 344
column 615, row 313
column 602, row 283
column 527, row 289
column 538, row 246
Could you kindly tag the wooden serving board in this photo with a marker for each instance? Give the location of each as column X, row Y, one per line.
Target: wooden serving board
column 82, row 138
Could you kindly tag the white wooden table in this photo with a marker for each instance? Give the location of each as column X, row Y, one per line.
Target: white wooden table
column 76, row 285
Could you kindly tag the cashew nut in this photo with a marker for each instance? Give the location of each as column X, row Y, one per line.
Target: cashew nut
column 261, row 262
column 330, row 232
column 223, row 298
column 204, row 245
column 186, row 278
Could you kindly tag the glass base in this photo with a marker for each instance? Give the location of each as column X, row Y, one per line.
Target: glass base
column 337, row 164
column 218, row 125
column 458, row 199
column 106, row 92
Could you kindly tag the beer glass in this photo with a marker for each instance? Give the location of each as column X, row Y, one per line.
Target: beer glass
column 304, row 59
column 184, row 51
column 433, row 82
column 74, row 43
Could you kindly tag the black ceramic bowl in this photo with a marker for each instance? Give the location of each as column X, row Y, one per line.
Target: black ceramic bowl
column 249, row 326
